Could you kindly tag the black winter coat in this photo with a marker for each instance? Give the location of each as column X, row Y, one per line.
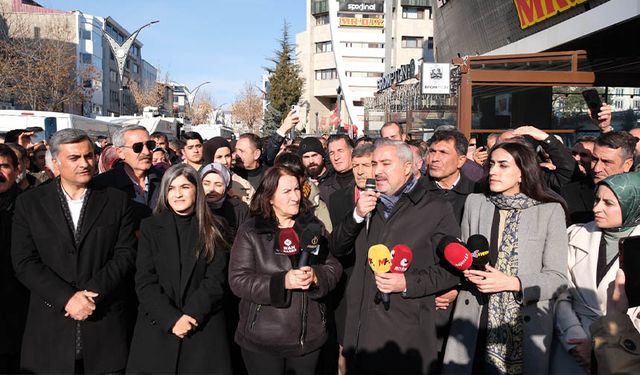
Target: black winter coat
column 403, row 339
column 49, row 263
column 166, row 291
column 273, row 319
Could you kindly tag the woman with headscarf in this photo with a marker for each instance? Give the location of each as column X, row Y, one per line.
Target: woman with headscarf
column 215, row 180
column 593, row 262
column 219, row 150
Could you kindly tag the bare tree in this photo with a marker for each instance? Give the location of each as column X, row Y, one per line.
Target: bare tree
column 43, row 74
column 203, row 107
column 153, row 96
column 247, row 108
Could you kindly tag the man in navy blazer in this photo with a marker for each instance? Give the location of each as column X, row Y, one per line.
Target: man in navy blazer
column 72, row 247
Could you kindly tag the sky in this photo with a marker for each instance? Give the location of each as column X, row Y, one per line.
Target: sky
column 226, row 42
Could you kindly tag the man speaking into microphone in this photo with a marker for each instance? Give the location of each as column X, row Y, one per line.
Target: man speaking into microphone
column 402, row 338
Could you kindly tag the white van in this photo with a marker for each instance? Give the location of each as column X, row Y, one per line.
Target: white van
column 18, row 119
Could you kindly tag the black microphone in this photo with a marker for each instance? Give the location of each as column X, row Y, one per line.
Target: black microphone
column 309, row 243
column 478, row 245
column 370, row 185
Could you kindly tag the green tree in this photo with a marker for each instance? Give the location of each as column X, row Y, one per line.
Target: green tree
column 285, row 83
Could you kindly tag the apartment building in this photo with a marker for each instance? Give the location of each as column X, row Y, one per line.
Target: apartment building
column 348, row 45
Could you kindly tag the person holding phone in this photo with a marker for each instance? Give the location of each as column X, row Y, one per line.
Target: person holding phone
column 592, row 265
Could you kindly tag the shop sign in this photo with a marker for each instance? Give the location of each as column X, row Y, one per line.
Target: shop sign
column 436, row 78
column 531, row 12
column 362, row 22
column 362, row 6
column 403, row 73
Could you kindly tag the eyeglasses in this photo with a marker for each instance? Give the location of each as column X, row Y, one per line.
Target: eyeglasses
column 138, row 146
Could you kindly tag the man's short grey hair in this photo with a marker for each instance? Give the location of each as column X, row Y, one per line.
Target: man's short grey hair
column 64, row 137
column 402, row 149
column 364, row 149
column 118, row 136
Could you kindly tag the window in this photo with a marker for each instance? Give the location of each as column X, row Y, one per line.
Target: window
column 412, row 13
column 135, row 68
column 411, row 42
column 111, row 55
column 326, row 74
column 135, row 50
column 85, row 34
column 363, row 74
column 322, row 19
column 114, row 96
column 36, row 32
column 113, row 77
column 85, row 58
column 363, row 45
column 176, row 99
column 323, row 47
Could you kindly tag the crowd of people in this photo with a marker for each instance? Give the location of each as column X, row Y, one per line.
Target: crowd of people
column 144, row 254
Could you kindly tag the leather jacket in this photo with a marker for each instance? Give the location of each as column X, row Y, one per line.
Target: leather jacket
column 273, row 319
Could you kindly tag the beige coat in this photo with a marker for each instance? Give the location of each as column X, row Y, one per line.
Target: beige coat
column 584, row 301
column 241, row 189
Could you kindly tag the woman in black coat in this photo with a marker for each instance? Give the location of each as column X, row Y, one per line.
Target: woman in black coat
column 282, row 317
column 180, row 282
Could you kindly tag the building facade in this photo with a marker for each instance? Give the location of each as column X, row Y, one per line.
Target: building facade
column 348, row 46
column 86, row 33
column 603, row 29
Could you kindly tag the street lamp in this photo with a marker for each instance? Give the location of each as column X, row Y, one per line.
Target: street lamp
column 191, row 95
column 121, row 52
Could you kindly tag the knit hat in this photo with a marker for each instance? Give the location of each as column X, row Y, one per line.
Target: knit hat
column 211, row 146
column 310, row 144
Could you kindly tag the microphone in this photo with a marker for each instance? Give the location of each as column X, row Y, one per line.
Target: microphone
column 379, row 258
column 446, row 240
column 370, row 185
column 478, row 245
column 458, row 256
column 309, row 243
column 288, row 242
column 401, row 258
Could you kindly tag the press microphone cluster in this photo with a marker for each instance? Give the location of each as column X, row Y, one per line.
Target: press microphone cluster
column 474, row 254
column 383, row 260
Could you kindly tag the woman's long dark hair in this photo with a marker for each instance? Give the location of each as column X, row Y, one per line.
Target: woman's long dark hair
column 209, row 235
column 261, row 205
column 532, row 184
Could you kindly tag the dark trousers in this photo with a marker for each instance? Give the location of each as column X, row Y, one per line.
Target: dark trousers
column 264, row 363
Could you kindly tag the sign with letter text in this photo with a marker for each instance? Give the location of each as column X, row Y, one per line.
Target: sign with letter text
column 436, row 78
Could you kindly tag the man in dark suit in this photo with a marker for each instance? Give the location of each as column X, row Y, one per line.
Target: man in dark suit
column 447, row 155
column 400, row 339
column 342, row 204
column 72, row 247
column 134, row 174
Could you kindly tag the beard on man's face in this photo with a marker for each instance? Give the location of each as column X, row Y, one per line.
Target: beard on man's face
column 314, row 170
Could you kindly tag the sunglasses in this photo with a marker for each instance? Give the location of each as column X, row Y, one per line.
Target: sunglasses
column 138, row 146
